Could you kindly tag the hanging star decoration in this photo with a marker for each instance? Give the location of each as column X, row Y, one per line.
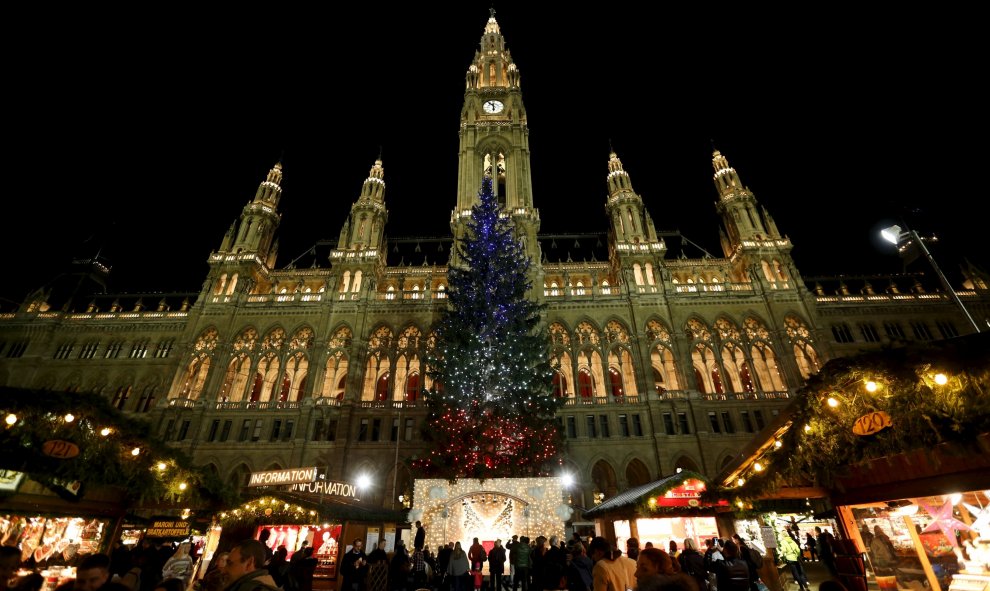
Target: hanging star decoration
column 982, row 524
column 943, row 521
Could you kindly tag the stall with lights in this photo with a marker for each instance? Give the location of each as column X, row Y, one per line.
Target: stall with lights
column 73, row 467
column 672, row 508
column 898, row 443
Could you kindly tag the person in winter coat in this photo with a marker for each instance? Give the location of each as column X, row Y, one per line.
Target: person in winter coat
column 693, row 563
column 519, row 557
column 732, row 573
column 246, row 568
column 180, row 565
column 496, row 565
column 458, row 568
column 791, row 554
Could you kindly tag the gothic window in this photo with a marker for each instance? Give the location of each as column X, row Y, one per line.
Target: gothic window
column 620, row 362
column 221, row 283
column 658, row 382
column 806, row 359
column 755, row 329
column 649, row 274
column 616, row 332
column 236, row 379
column 121, row 396
column 638, row 274
column 579, row 288
column 566, row 371
column 266, row 377
column 345, row 282
column 303, row 339
column 335, row 375
column 207, row 341
column 706, row 369
column 246, row 341
column 734, row 362
column 727, row 330
column 663, row 366
column 273, row 340
column 768, row 273
column 657, row 332
column 559, row 336
column 559, row 385
column 779, row 270
column 586, row 388
column 841, row 333
column 796, row 328
column 294, row 381
column 869, row 332
column 341, row 339
column 232, row 285
column 412, row 387
column 586, row 334
column 195, row 377
column 765, row 365
column 697, row 330
column 615, row 382
column 357, row 282
column 381, row 387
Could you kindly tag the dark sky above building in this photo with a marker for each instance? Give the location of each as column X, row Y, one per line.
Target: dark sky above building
column 146, row 141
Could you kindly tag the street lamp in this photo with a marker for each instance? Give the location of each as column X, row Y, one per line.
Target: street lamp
column 897, row 236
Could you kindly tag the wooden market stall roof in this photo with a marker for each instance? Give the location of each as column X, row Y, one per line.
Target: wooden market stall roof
column 865, row 424
column 628, row 500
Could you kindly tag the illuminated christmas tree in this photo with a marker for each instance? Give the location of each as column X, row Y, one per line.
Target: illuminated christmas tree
column 491, row 409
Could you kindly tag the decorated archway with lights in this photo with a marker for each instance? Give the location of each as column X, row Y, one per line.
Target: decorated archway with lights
column 492, row 509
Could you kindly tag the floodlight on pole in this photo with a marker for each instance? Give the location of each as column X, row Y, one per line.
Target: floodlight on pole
column 899, row 236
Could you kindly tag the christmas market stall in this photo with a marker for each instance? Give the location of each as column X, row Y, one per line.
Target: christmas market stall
column 73, row 470
column 323, row 515
column 899, row 441
column 667, row 509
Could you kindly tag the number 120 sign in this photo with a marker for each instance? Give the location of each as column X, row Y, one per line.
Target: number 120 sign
column 62, row 450
column 871, row 423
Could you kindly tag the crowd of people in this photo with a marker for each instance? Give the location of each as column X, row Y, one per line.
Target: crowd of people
column 549, row 564
column 542, row 564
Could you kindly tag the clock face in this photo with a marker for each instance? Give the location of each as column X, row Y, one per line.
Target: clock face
column 493, row 106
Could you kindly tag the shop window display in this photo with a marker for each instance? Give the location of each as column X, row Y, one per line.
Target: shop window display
column 917, row 543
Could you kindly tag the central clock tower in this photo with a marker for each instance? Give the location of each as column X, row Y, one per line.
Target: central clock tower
column 494, row 142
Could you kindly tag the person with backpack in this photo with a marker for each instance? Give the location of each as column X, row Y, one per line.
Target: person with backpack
column 753, row 559
column 693, row 563
column 732, row 573
column 791, row 554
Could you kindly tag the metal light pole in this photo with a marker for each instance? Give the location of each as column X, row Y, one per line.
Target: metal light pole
column 895, row 235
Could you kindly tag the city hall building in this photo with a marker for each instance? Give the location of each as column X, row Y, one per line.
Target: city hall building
column 664, row 362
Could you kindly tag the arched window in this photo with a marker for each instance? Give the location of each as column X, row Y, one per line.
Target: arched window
column 586, row 387
column 345, row 282
column 615, row 382
column 381, row 387
column 559, row 385
column 357, row 282
column 638, row 274
column 412, row 387
column 658, row 382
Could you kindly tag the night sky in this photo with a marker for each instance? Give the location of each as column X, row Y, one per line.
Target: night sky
column 147, row 141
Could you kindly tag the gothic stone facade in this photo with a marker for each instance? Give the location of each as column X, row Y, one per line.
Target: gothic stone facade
column 665, row 363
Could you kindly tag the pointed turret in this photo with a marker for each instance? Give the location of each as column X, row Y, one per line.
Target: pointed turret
column 751, row 239
column 260, row 218
column 492, row 66
column 365, row 227
column 630, row 222
column 633, row 240
column 744, row 220
column 359, row 259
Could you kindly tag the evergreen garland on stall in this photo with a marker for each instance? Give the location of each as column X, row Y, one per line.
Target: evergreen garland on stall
column 491, row 412
column 934, row 394
column 105, row 448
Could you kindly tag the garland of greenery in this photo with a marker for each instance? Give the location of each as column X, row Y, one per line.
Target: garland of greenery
column 106, row 440
column 934, row 394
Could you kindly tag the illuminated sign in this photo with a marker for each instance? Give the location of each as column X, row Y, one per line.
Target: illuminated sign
column 277, row 477
column 871, row 423
column 168, row 529
column 328, row 488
